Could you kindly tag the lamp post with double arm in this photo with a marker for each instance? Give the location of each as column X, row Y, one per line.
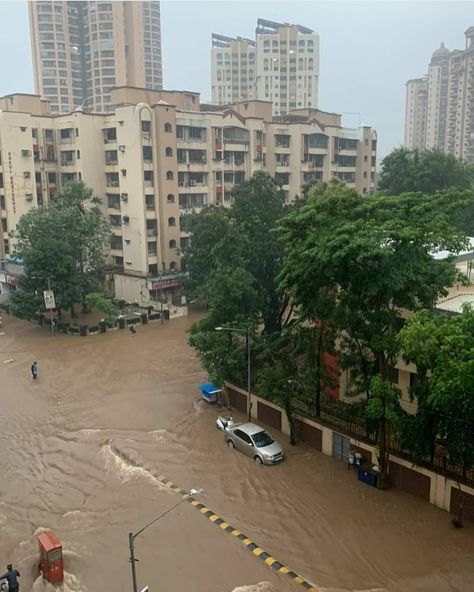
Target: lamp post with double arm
column 243, row 331
column 133, row 535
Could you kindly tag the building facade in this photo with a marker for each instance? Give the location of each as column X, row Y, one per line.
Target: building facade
column 233, row 69
column 81, row 50
column 160, row 156
column 439, row 107
column 281, row 66
column 460, row 115
column 415, row 113
column 437, row 99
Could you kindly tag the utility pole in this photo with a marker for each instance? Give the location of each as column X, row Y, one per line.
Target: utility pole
column 131, row 541
column 249, row 394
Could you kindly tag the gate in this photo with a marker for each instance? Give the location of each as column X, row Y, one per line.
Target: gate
column 341, row 446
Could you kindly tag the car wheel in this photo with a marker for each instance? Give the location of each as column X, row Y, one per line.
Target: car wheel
column 258, row 460
column 230, row 444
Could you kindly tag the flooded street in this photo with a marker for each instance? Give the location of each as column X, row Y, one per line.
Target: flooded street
column 95, row 396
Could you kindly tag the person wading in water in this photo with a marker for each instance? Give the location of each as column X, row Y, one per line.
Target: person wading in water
column 12, row 575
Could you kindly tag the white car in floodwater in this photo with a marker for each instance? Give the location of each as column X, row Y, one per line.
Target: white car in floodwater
column 255, row 442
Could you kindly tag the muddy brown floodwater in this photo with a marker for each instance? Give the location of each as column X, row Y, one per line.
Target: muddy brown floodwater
column 137, row 394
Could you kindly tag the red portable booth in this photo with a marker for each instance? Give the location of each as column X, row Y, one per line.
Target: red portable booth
column 51, row 557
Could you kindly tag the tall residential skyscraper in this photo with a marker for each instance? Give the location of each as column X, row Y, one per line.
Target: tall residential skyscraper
column 281, row 66
column 233, row 69
column 287, row 66
column 415, row 113
column 437, row 98
column 440, row 107
column 460, row 108
column 83, row 49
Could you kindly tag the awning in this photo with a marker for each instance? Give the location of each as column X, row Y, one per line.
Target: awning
column 209, row 389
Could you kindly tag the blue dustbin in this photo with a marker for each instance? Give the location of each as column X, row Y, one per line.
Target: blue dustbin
column 367, row 476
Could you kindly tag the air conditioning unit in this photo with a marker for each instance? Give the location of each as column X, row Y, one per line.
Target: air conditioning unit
column 126, row 219
column 124, row 196
column 122, row 148
column 26, row 153
column 29, row 196
column 27, row 174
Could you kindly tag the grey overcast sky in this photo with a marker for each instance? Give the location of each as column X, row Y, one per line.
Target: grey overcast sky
column 368, row 49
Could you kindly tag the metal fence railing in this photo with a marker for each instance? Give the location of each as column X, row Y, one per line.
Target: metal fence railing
column 359, row 429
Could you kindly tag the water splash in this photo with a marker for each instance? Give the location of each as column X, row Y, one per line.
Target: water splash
column 260, row 587
column 126, row 467
column 71, row 584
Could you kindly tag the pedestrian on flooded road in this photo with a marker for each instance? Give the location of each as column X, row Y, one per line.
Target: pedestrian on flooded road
column 133, row 331
column 34, row 370
column 12, row 575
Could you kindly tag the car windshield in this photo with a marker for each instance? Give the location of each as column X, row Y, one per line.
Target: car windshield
column 262, row 439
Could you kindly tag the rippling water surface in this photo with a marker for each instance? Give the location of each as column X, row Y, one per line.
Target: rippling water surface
column 81, row 448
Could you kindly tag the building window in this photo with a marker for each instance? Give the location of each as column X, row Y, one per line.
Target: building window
column 172, row 244
column 147, row 153
column 146, row 126
column 168, row 127
column 171, row 221
column 169, row 175
column 168, row 151
column 150, row 202
column 170, row 198
column 173, row 266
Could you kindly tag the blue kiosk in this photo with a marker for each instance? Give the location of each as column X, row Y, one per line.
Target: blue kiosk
column 210, row 392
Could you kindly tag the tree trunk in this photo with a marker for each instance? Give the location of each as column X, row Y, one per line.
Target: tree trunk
column 291, row 422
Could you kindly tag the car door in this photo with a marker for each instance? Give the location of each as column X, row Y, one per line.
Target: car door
column 244, row 442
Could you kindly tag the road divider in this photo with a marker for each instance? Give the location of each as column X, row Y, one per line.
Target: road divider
column 255, row 549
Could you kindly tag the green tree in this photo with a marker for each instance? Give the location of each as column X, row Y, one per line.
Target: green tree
column 428, row 171
column 216, row 242
column 257, row 207
column 279, row 357
column 375, row 254
column 442, row 347
column 103, row 304
column 241, row 237
column 61, row 246
column 233, row 260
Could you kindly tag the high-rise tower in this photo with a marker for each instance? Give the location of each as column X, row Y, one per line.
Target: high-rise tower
column 83, row 49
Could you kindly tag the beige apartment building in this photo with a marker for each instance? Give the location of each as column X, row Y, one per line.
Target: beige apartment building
column 439, row 107
column 280, row 66
column 82, row 49
column 160, row 156
column 415, row 113
column 233, row 69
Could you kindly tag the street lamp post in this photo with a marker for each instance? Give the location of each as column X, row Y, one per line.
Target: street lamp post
column 243, row 331
column 132, row 536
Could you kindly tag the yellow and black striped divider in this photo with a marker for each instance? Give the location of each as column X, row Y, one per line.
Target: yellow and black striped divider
column 225, row 527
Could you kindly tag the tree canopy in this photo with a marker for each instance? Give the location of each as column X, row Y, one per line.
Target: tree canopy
column 375, row 255
column 61, row 247
column 238, row 244
column 442, row 347
column 429, row 171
